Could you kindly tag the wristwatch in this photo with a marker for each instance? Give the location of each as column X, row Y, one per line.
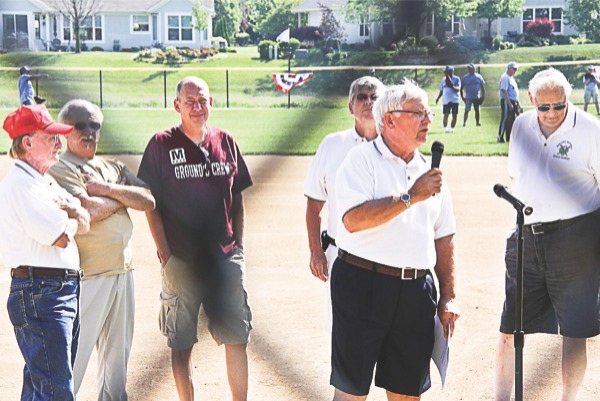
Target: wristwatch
column 406, row 199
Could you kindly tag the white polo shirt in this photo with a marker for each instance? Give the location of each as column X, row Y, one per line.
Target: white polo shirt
column 320, row 181
column 30, row 221
column 557, row 176
column 373, row 172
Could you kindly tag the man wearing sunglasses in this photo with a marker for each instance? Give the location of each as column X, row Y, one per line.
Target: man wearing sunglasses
column 553, row 157
column 106, row 189
column 319, row 187
column 392, row 232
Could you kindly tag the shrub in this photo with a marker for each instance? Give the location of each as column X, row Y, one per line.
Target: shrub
column 285, row 48
column 263, row 48
column 242, row 38
column 218, row 41
column 487, row 42
column 97, row 49
column 529, row 40
column 540, row 27
column 451, row 47
column 307, row 33
column 560, row 39
column 470, row 42
column 430, row 42
column 578, row 40
column 497, row 42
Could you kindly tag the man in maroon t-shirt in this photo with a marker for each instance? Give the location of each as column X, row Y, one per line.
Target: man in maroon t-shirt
column 197, row 175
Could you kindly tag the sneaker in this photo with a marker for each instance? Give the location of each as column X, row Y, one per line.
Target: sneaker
column 446, row 130
column 39, row 100
column 452, row 130
column 464, row 124
column 500, row 140
column 479, row 125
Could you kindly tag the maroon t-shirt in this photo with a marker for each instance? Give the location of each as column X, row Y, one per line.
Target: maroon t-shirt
column 194, row 186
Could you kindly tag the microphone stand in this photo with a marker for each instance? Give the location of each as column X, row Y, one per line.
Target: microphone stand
column 519, row 335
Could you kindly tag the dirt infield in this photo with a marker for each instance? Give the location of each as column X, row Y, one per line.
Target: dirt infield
column 289, row 352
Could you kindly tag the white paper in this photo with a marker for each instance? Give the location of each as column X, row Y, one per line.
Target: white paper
column 441, row 350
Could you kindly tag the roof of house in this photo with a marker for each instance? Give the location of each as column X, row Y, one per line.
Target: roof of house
column 311, row 5
column 125, row 6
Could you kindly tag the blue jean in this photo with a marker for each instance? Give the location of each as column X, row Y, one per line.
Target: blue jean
column 44, row 312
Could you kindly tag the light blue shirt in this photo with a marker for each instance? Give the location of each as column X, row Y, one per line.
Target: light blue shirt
column 26, row 89
column 472, row 84
column 449, row 95
column 509, row 84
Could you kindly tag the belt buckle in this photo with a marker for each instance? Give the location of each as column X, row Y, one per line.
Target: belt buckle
column 537, row 228
column 414, row 275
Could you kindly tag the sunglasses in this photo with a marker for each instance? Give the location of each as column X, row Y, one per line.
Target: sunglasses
column 420, row 114
column 556, row 107
column 363, row 97
column 94, row 126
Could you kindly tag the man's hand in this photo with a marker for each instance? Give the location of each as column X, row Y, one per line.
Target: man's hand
column 448, row 312
column 95, row 187
column 318, row 265
column 426, row 185
column 449, row 82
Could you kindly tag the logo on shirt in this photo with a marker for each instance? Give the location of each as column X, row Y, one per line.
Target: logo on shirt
column 563, row 149
column 177, row 156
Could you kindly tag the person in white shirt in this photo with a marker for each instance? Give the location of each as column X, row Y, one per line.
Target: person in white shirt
column 590, row 92
column 392, row 232
column 553, row 158
column 38, row 221
column 450, row 94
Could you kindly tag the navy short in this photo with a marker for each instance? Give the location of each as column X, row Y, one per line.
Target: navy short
column 385, row 321
column 471, row 102
column 450, row 107
column 561, row 280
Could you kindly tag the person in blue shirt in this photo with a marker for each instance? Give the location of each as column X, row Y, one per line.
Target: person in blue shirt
column 27, row 95
column 449, row 92
column 509, row 101
column 472, row 93
column 590, row 84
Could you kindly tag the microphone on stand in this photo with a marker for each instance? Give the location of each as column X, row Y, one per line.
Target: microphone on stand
column 503, row 193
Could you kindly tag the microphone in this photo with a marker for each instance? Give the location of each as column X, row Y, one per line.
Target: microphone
column 503, row 193
column 437, row 149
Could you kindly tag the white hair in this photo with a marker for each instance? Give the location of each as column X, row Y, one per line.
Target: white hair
column 394, row 97
column 550, row 79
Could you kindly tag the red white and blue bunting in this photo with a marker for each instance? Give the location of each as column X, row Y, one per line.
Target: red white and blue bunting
column 285, row 81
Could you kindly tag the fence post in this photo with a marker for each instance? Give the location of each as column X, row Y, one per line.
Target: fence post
column 165, row 86
column 416, row 77
column 101, row 102
column 227, row 85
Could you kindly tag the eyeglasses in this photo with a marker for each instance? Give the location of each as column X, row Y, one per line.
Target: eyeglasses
column 56, row 138
column 81, row 126
column 363, row 97
column 420, row 114
column 556, row 107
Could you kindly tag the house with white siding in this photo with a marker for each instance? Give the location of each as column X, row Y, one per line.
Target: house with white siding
column 118, row 24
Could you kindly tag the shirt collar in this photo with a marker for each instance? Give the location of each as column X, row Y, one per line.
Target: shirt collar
column 384, row 151
column 356, row 137
column 70, row 157
column 23, row 165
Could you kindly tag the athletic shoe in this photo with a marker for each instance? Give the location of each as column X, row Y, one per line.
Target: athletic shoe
column 446, row 130
column 452, row 130
column 479, row 125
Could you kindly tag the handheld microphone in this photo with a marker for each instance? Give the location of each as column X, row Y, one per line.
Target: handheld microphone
column 437, row 149
column 503, row 193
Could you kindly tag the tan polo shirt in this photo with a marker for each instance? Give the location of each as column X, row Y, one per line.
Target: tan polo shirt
column 106, row 249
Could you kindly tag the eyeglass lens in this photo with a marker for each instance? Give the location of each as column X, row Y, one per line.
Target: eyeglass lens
column 363, row 97
column 94, row 126
column 546, row 107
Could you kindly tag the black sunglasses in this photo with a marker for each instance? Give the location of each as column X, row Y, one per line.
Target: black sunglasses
column 556, row 107
column 94, row 126
column 363, row 97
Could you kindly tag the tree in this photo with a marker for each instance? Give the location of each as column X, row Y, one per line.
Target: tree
column 200, row 16
column 279, row 18
column 584, row 15
column 78, row 11
column 494, row 9
column 226, row 22
column 330, row 27
column 414, row 13
column 254, row 12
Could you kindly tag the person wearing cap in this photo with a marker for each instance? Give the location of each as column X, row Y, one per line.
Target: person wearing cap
column 449, row 92
column 38, row 222
column 553, row 158
column 197, row 174
column 26, row 93
column 106, row 189
column 472, row 93
column 590, row 83
column 392, row 233
column 319, row 186
column 509, row 102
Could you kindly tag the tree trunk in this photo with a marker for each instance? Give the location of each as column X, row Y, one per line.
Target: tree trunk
column 77, row 44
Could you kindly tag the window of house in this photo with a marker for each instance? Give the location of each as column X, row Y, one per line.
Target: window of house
column 363, row 27
column 140, row 23
column 430, row 24
column 180, row 28
column 89, row 30
column 554, row 14
column 453, row 25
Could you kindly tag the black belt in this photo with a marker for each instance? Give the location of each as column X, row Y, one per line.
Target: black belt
column 405, row 273
column 541, row 228
column 24, row 272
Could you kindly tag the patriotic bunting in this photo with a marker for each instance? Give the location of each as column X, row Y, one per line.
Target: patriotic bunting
column 285, row 81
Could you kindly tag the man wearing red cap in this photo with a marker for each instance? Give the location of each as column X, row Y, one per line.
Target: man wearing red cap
column 38, row 221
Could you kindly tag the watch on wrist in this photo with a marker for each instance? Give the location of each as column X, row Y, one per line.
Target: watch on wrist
column 405, row 198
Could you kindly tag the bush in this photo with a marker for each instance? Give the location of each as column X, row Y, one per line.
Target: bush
column 97, row 49
column 451, row 47
column 496, row 42
column 470, row 42
column 263, row 48
column 218, row 41
column 578, row 40
column 430, row 42
column 285, row 48
column 540, row 27
column 307, row 33
column 560, row 39
column 487, row 42
column 242, row 38
column 529, row 40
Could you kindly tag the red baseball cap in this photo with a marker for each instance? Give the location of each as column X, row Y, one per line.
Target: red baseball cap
column 29, row 119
